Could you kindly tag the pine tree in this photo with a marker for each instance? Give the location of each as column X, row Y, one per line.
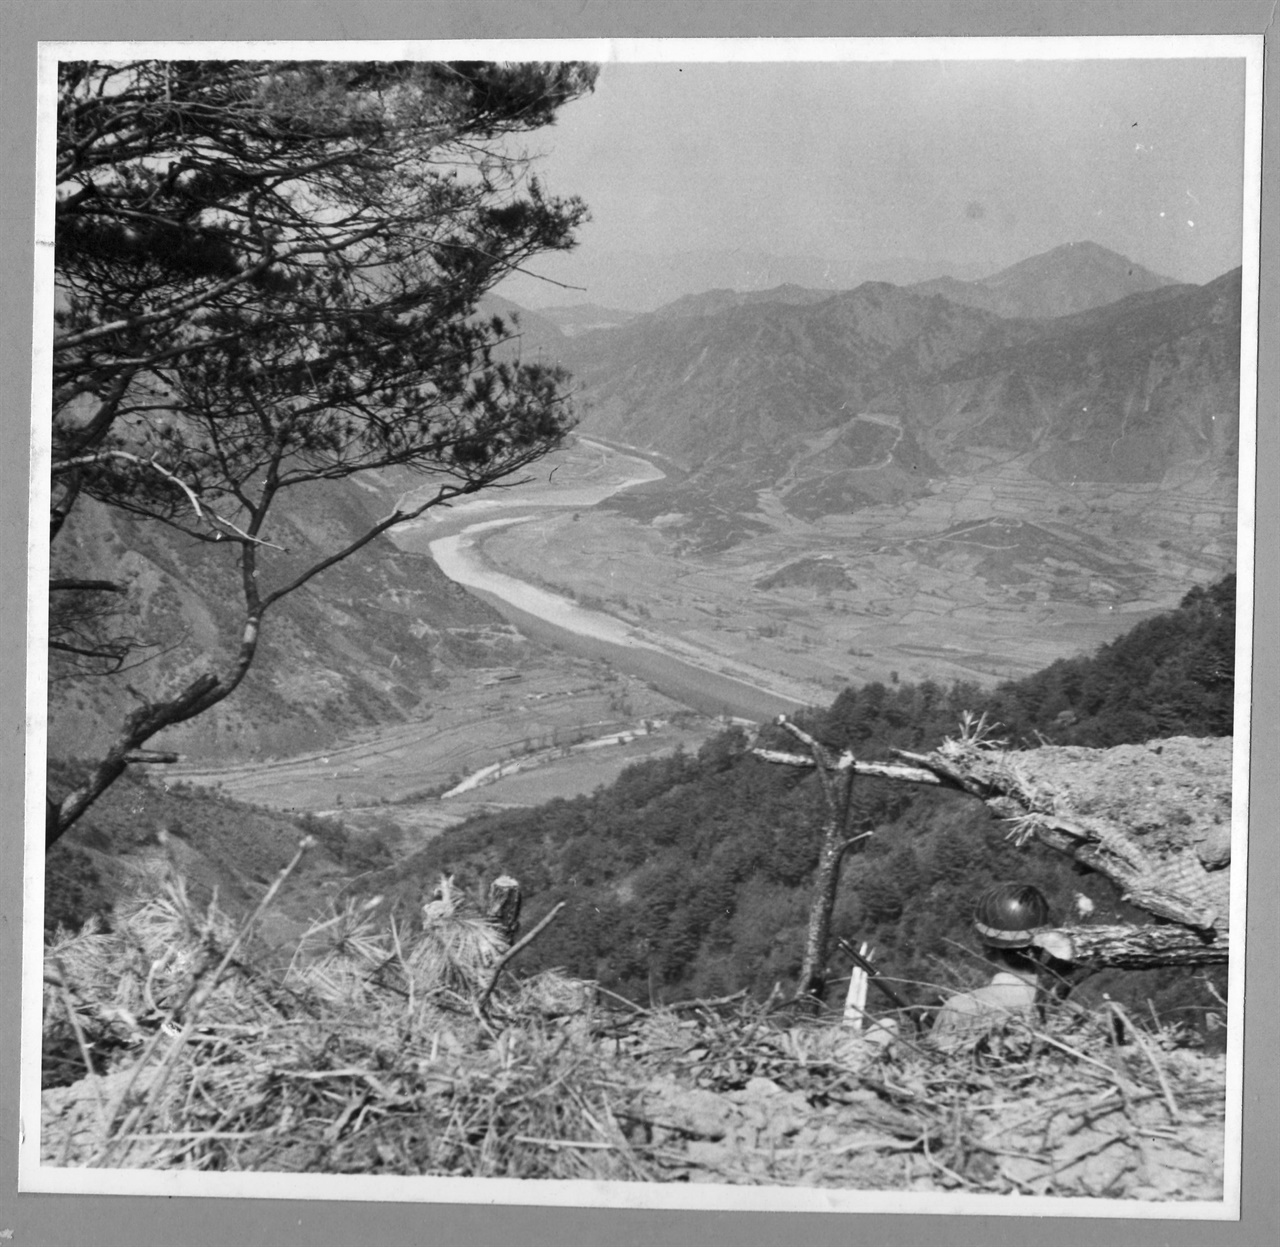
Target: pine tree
column 267, row 276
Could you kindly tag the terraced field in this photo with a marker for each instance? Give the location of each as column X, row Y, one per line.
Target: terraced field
column 989, row 575
column 558, row 727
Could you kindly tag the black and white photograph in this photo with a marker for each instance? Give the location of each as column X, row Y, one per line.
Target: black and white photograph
column 643, row 623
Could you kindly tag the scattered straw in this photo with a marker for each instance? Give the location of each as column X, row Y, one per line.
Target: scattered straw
column 370, row 1052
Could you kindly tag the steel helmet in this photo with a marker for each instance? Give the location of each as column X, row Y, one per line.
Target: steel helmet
column 1008, row 914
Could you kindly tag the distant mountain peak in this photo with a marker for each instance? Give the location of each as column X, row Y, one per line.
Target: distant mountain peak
column 1074, row 277
column 1078, row 256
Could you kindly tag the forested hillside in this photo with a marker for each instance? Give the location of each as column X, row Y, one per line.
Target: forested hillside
column 1168, row 676
column 372, row 640
column 690, row 875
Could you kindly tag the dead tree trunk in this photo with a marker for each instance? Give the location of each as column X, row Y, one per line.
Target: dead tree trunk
column 836, row 777
column 504, row 907
column 1133, row 947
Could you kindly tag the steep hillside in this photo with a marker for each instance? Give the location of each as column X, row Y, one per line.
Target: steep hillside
column 535, row 334
column 1121, row 393
column 733, row 389
column 140, row 828
column 745, row 388
column 371, row 640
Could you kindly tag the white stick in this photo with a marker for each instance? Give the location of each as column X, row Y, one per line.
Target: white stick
column 856, row 1001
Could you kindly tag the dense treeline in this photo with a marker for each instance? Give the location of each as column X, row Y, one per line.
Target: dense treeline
column 1168, row 676
column 690, row 874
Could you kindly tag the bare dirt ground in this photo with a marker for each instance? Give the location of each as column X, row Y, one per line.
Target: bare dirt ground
column 1171, row 794
column 827, row 1110
column 1066, row 1136
column 1172, row 798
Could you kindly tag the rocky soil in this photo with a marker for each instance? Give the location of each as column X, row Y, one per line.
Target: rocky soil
column 708, row 1099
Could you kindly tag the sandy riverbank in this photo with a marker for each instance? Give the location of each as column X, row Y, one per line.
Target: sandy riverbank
column 677, row 669
column 706, row 681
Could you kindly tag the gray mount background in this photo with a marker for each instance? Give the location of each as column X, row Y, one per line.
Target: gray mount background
column 32, row 1219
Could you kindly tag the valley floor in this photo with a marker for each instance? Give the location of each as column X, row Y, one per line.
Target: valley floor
column 557, row 727
column 992, row 575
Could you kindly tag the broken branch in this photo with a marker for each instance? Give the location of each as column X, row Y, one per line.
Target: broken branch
column 501, row 963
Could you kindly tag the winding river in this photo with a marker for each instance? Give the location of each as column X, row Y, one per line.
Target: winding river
column 681, row 671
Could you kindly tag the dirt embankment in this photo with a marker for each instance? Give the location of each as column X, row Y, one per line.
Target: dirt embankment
column 1172, row 794
column 1171, row 798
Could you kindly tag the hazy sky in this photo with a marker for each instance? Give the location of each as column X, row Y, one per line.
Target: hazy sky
column 960, row 162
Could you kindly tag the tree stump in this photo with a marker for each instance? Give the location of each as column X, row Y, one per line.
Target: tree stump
column 504, row 907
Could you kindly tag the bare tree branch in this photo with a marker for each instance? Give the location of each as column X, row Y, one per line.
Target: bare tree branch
column 98, row 456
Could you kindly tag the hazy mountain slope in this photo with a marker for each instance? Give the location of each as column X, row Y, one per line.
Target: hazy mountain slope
column 1120, row 393
column 740, row 386
column 1072, row 278
column 576, row 318
column 744, row 387
column 535, row 335
column 642, row 281
column 712, row 302
column 364, row 642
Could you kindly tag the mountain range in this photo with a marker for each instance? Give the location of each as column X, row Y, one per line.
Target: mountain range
column 1137, row 376
column 833, row 400
column 640, row 281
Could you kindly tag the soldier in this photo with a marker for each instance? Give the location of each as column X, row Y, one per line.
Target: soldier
column 1006, row 919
